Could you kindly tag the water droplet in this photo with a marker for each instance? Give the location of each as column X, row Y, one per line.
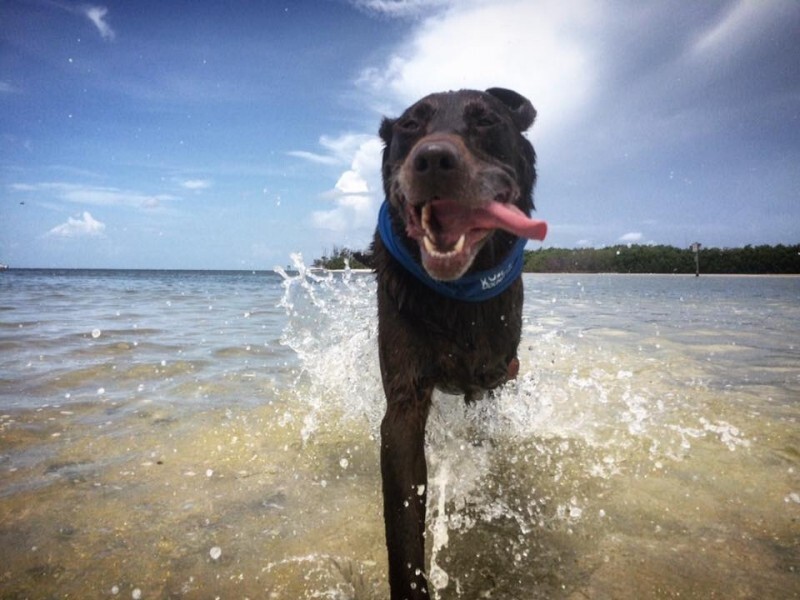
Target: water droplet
column 96, row 333
column 438, row 577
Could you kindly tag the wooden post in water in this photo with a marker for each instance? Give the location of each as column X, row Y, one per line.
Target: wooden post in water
column 696, row 249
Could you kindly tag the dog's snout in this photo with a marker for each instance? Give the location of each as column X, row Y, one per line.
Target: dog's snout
column 435, row 157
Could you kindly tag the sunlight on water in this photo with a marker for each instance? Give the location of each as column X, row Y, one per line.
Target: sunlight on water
column 219, row 437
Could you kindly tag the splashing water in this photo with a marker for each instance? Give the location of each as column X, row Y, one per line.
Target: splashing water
column 333, row 330
column 591, row 412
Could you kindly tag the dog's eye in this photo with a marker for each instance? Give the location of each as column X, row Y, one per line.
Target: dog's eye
column 487, row 120
column 409, row 125
column 480, row 117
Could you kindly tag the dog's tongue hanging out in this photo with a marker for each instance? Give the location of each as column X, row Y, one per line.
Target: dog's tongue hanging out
column 453, row 216
column 500, row 215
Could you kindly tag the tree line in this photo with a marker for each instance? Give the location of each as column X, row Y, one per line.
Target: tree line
column 755, row 260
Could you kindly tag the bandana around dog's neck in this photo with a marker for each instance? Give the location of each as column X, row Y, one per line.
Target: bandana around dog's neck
column 474, row 287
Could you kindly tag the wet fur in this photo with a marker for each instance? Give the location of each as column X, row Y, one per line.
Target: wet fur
column 427, row 341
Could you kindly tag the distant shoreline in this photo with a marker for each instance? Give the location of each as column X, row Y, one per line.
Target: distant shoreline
column 360, row 271
column 629, row 259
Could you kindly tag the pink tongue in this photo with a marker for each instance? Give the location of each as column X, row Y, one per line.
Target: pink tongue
column 500, row 215
column 496, row 215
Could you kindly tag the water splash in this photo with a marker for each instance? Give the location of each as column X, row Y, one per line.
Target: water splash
column 332, row 328
column 535, row 456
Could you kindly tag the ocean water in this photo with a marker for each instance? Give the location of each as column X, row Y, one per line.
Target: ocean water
column 215, row 434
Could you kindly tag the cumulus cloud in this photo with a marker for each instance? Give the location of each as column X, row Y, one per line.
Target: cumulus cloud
column 97, row 15
column 535, row 48
column 631, row 238
column 357, row 192
column 85, row 226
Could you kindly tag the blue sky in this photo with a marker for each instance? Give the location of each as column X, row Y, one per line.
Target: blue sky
column 232, row 134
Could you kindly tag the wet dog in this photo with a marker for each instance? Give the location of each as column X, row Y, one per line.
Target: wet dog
column 458, row 177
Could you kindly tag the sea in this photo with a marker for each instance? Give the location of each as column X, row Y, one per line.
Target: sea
column 215, row 434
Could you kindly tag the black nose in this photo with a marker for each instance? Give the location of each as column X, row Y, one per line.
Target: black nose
column 435, row 157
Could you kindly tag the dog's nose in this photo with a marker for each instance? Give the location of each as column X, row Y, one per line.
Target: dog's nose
column 435, row 158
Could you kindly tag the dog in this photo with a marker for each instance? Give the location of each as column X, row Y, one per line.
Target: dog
column 458, row 178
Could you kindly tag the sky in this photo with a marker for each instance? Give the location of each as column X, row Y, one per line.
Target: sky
column 230, row 135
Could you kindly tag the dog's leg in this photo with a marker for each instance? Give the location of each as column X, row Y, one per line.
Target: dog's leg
column 405, row 477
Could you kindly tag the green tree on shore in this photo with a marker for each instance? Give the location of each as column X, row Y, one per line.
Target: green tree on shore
column 754, row 260
column 636, row 258
column 339, row 258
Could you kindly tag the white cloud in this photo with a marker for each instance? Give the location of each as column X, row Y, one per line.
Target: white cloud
column 320, row 159
column 399, row 8
column 357, row 193
column 97, row 15
column 339, row 150
column 631, row 238
column 536, row 49
column 196, row 184
column 93, row 195
column 86, row 226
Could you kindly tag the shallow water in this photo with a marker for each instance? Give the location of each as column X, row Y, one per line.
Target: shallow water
column 201, row 435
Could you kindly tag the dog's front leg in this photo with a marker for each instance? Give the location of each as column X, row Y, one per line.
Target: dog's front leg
column 405, row 477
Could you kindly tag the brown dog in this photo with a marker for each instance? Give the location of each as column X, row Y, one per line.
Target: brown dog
column 458, row 176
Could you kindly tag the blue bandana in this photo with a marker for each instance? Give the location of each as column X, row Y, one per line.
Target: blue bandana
column 474, row 287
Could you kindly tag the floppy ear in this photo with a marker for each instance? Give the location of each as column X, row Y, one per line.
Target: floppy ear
column 522, row 110
column 385, row 130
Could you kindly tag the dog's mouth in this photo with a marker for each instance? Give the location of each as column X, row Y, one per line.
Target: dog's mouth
column 451, row 234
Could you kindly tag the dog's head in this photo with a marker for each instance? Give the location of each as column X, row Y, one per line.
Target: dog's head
column 456, row 169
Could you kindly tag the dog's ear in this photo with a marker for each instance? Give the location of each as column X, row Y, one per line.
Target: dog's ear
column 386, row 130
column 521, row 108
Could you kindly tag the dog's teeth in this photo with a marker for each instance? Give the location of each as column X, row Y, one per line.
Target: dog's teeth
column 426, row 218
column 431, row 248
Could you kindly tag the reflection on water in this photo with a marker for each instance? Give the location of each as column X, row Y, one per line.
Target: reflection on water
column 215, row 435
